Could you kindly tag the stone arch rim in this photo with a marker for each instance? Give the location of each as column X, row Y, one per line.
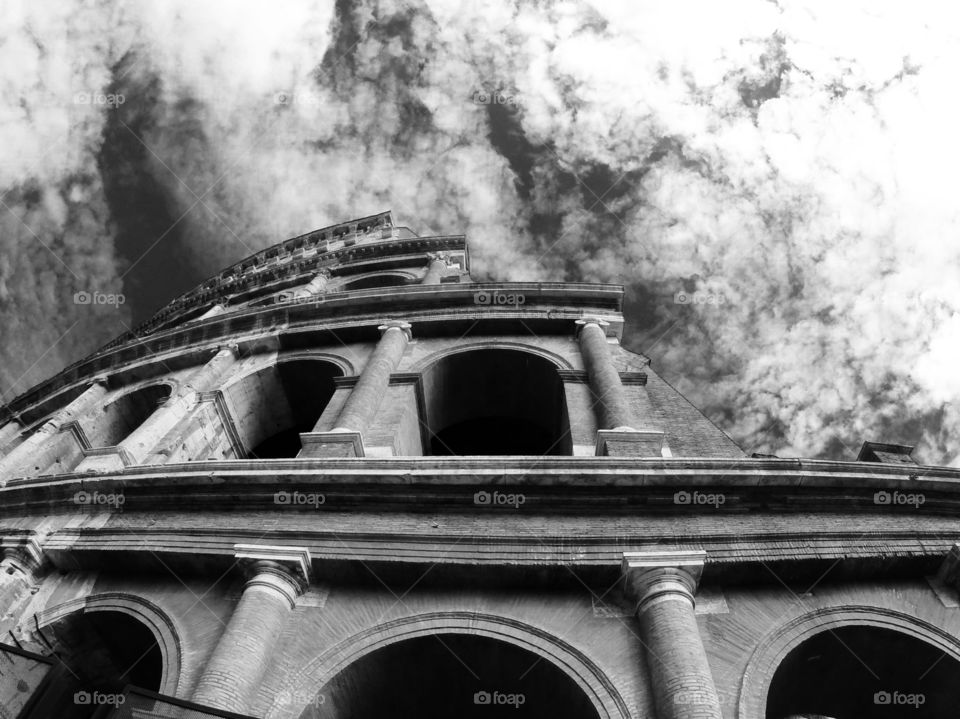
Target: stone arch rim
column 275, row 359
column 123, row 392
column 584, row 672
column 424, row 365
column 165, row 631
column 348, row 279
column 775, row 646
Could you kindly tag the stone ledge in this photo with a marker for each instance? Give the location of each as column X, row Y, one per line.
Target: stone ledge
column 331, row 444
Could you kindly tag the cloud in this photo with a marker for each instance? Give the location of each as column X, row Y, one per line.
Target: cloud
column 762, row 154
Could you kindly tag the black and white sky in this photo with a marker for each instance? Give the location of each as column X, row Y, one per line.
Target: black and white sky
column 787, row 165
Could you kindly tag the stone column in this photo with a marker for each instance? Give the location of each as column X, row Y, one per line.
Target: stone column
column 143, row 440
column 24, row 455
column 613, row 410
column 8, row 433
column 364, row 400
column 213, row 312
column 148, row 435
column 276, row 577
column 19, row 572
column 436, row 269
column 663, row 585
column 316, row 286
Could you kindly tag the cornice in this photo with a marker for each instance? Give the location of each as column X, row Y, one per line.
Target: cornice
column 436, row 306
column 586, row 486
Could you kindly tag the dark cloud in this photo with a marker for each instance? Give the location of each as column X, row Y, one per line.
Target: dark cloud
column 789, row 178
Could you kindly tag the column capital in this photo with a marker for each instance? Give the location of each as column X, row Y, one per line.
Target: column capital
column 651, row 577
column 584, row 322
column 231, row 347
column 26, row 555
column 286, row 570
column 406, row 327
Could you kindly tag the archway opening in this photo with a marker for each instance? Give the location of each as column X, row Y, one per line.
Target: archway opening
column 451, row 675
column 101, row 652
column 273, row 406
column 124, row 415
column 864, row 672
column 372, row 281
column 495, row 402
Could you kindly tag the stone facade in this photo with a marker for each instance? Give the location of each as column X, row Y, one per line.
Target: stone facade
column 342, row 459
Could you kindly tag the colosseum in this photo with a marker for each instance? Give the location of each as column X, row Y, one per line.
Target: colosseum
column 341, row 479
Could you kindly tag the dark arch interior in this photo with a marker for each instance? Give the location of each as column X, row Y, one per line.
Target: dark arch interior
column 103, row 652
column 124, row 415
column 851, row 672
column 451, row 675
column 281, row 402
column 495, row 402
column 366, row 283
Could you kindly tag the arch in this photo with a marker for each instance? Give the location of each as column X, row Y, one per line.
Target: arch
column 490, row 400
column 272, row 403
column 373, row 280
column 270, row 359
column 774, row 648
column 259, row 290
column 161, row 625
column 560, row 362
column 598, row 688
column 125, row 412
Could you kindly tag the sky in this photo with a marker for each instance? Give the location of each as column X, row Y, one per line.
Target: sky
column 770, row 181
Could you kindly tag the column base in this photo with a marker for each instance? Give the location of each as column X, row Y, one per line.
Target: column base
column 105, row 459
column 630, row 443
column 331, row 444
